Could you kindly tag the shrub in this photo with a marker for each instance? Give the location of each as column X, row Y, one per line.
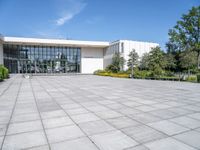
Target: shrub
column 119, row 75
column 191, row 79
column 107, row 73
column 112, row 68
column 1, row 76
column 3, row 72
column 198, row 78
column 142, row 74
column 99, row 71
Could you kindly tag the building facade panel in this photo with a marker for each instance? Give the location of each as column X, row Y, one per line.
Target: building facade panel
column 91, row 59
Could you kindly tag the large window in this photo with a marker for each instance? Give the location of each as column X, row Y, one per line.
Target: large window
column 41, row 59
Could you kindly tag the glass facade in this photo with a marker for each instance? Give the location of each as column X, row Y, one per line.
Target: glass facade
column 41, row 59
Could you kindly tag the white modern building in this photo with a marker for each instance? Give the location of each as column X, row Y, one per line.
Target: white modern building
column 34, row 55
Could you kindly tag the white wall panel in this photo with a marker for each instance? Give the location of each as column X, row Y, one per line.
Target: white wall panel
column 91, row 60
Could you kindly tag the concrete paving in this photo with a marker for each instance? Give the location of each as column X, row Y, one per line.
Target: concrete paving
column 85, row 112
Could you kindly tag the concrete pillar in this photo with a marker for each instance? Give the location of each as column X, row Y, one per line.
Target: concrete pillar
column 1, row 53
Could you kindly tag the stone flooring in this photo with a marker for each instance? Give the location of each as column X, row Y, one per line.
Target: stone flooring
column 85, row 112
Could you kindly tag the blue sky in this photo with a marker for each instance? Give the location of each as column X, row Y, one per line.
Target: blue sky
column 142, row 20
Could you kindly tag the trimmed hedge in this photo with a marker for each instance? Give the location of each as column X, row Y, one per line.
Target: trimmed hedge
column 147, row 75
column 110, row 74
column 137, row 75
column 3, row 73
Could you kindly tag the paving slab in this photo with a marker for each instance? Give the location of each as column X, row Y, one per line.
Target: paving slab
column 114, row 140
column 143, row 134
column 168, row 127
column 25, row 117
column 63, row 133
column 122, row 122
column 57, row 122
column 96, row 127
column 21, row 127
column 187, row 122
column 168, row 144
column 24, row 140
column 139, row 147
column 191, row 138
column 77, row 144
column 43, row 147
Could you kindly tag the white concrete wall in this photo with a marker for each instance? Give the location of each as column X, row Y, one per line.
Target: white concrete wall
column 91, row 59
column 140, row 48
column 107, row 60
column 1, row 53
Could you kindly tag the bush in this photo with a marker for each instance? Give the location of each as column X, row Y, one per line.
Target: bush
column 142, row 74
column 107, row 73
column 119, row 75
column 99, row 71
column 3, row 73
column 191, row 79
column 198, row 78
column 112, row 68
column 1, row 76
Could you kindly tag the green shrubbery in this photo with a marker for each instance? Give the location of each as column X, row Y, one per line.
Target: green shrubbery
column 3, row 73
column 108, row 73
column 198, row 78
column 191, row 79
column 138, row 74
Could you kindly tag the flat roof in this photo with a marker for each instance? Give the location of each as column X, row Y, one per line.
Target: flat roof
column 52, row 42
column 62, row 42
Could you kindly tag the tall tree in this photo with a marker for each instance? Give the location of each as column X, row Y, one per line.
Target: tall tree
column 170, row 61
column 156, row 61
column 188, row 61
column 144, row 62
column 186, row 34
column 133, row 59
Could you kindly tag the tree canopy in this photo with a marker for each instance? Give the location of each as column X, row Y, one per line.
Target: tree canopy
column 185, row 35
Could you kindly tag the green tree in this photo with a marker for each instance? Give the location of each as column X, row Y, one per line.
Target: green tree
column 170, row 61
column 117, row 63
column 144, row 62
column 188, row 61
column 133, row 59
column 156, row 61
column 186, row 34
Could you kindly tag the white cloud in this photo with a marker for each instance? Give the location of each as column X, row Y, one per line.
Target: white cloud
column 74, row 7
